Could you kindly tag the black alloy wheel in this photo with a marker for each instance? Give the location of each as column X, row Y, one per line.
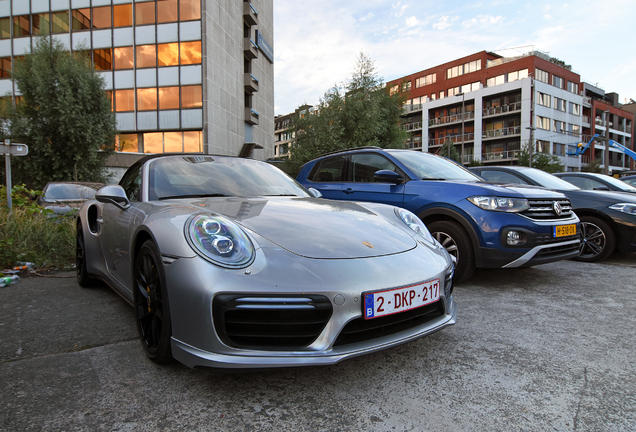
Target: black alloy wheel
column 152, row 309
column 455, row 240
column 597, row 239
column 83, row 279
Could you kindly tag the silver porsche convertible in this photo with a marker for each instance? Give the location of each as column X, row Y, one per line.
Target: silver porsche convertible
column 229, row 263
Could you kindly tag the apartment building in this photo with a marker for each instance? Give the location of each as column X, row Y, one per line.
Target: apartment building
column 182, row 75
column 487, row 105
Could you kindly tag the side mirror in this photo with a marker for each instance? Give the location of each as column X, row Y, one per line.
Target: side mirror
column 113, row 194
column 387, row 176
column 315, row 192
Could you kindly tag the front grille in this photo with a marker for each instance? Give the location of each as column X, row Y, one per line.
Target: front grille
column 543, row 209
column 557, row 251
column 360, row 329
column 270, row 322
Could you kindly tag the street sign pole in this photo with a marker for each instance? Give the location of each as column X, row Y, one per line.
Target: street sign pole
column 16, row 150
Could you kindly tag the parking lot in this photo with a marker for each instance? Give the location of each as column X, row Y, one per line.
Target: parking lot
column 547, row 348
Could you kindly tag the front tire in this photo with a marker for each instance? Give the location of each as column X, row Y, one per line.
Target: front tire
column 152, row 307
column 455, row 240
column 598, row 240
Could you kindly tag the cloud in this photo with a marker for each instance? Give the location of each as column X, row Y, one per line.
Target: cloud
column 547, row 16
column 412, row 22
column 445, row 22
column 483, row 20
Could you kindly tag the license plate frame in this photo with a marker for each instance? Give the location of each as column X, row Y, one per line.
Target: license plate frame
column 424, row 293
column 564, row 230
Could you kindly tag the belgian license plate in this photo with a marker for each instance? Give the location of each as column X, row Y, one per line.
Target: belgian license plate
column 564, row 230
column 396, row 300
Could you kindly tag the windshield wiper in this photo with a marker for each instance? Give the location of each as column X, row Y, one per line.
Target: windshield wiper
column 193, row 196
column 426, row 178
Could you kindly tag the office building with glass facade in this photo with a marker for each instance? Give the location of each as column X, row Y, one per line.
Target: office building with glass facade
column 182, row 75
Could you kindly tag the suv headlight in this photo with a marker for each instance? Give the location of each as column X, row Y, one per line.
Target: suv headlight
column 625, row 208
column 415, row 224
column 503, row 204
column 219, row 240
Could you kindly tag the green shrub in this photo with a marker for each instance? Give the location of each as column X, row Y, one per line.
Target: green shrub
column 29, row 233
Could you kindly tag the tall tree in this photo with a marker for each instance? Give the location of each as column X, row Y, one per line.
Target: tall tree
column 360, row 112
column 63, row 116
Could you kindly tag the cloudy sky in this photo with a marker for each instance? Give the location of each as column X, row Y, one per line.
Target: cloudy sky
column 316, row 43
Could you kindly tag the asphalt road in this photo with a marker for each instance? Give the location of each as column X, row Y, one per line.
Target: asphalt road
column 547, row 348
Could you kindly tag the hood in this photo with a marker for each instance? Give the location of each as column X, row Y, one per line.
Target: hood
column 313, row 227
column 501, row 189
column 609, row 197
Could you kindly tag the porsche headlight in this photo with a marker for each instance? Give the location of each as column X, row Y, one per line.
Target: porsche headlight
column 415, row 224
column 625, row 208
column 503, row 204
column 219, row 240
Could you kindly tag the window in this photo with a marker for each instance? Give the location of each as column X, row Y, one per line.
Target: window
column 574, row 129
column 433, row 96
column 394, row 89
column 559, row 149
column 406, row 86
column 102, row 17
column 5, row 67
column 147, row 99
column 124, row 58
column 131, row 182
column 167, row 11
column 426, row 80
column 542, row 146
column 81, row 19
column 329, row 170
column 364, row 166
column 441, row 94
column 543, row 123
column 5, row 28
column 469, row 67
column 124, row 100
column 544, row 99
column 542, row 75
column 168, row 54
column 189, row 10
column 128, row 143
column 191, row 53
column 41, row 23
column 153, row 142
column 103, row 59
column 21, row 25
column 191, row 97
column 173, row 142
column 557, row 81
column 168, row 98
column 559, row 126
column 497, row 176
column 573, row 87
column 145, row 13
column 193, row 142
column 146, row 55
column 109, row 96
column 122, row 15
column 60, row 22
column 575, row 109
column 559, row 104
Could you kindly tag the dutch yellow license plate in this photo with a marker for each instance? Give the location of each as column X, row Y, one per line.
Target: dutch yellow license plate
column 564, row 230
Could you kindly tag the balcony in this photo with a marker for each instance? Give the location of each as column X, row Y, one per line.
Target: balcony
column 586, row 120
column 501, row 155
column 587, row 101
column 250, row 16
column 456, row 139
column 498, row 133
column 411, row 108
column 250, row 49
column 251, row 116
column 251, row 83
column 412, row 126
column 503, row 109
column 438, row 121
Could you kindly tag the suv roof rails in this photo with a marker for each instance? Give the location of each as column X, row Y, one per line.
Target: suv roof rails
column 353, row 148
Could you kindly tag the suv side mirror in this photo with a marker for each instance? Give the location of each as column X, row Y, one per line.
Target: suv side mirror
column 315, row 192
column 388, row 176
column 113, row 194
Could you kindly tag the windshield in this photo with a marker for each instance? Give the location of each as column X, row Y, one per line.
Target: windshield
column 430, row 167
column 620, row 184
column 199, row 176
column 548, row 181
column 68, row 191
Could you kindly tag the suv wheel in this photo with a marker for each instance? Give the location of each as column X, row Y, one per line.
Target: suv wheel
column 455, row 240
column 597, row 239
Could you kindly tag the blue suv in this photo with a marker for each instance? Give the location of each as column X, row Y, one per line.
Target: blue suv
column 481, row 225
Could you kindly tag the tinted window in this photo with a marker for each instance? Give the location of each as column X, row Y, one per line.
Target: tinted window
column 329, row 170
column 364, row 166
column 501, row 177
column 429, row 167
column 69, row 191
column 542, row 178
column 583, row 182
column 131, row 182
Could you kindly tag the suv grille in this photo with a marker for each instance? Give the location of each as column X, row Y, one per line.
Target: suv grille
column 360, row 329
column 544, row 209
column 272, row 322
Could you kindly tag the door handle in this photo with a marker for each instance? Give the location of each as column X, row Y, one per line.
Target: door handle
column 348, row 191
